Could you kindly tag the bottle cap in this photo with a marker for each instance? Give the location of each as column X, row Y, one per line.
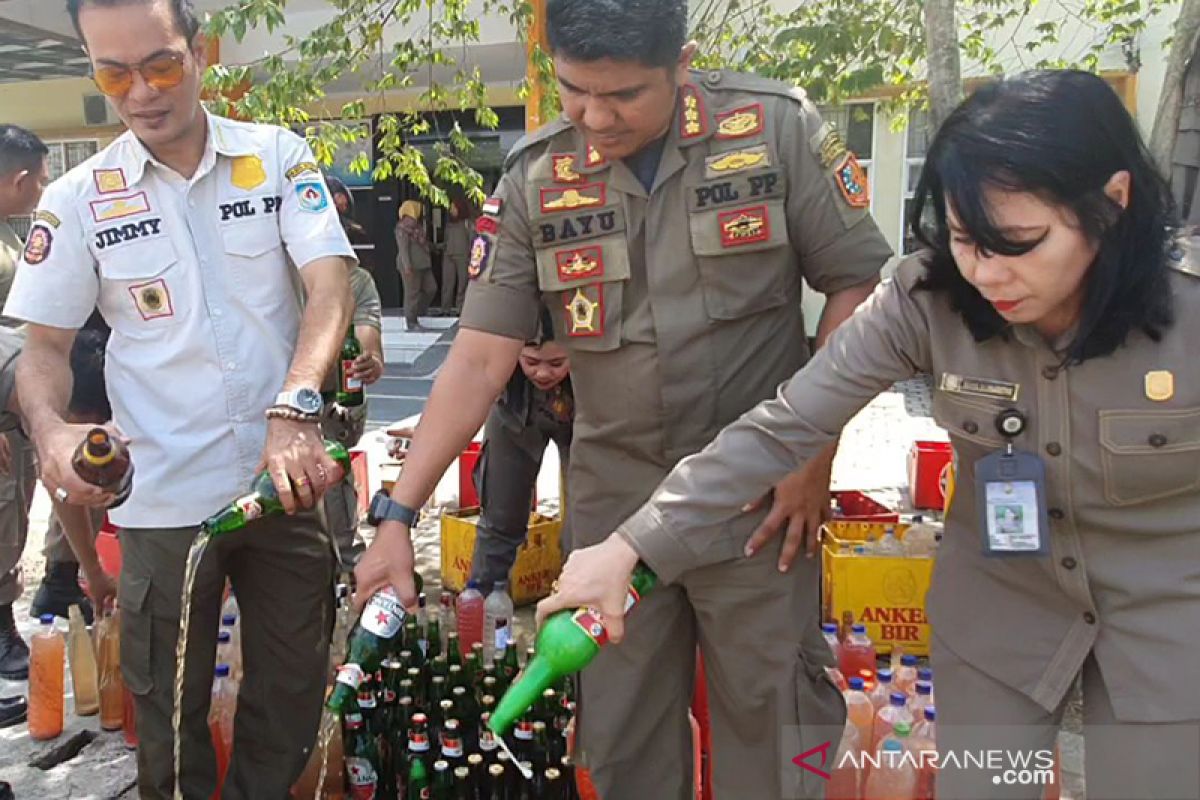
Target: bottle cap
column 856, row 684
column 925, row 674
column 222, row 671
column 224, row 637
column 891, row 745
column 899, row 699
column 229, row 620
column 902, row 728
column 46, row 619
column 908, row 660
column 924, row 687
column 884, row 675
column 472, row 584
column 858, row 627
column 930, row 713
column 829, row 627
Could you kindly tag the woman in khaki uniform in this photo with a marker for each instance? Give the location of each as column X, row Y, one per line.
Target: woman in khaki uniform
column 1055, row 303
column 413, row 261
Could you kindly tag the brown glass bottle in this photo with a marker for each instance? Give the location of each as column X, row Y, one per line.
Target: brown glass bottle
column 103, row 461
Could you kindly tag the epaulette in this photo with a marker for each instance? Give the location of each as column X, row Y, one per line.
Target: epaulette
column 719, row 80
column 544, row 133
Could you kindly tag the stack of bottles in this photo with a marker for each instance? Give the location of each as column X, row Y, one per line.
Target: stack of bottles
column 919, row 541
column 416, row 726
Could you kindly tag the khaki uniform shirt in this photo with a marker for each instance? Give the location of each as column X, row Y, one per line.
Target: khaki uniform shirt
column 1120, row 438
column 10, row 254
column 680, row 306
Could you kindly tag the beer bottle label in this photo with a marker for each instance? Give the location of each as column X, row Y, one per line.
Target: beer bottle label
column 350, row 384
column 383, row 615
column 503, row 635
column 250, row 506
column 588, row 619
column 350, row 674
column 363, row 780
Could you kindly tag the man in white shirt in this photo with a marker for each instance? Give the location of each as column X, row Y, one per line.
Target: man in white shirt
column 192, row 234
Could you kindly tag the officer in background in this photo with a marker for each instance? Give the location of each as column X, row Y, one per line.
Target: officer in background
column 667, row 221
column 346, row 425
column 189, row 233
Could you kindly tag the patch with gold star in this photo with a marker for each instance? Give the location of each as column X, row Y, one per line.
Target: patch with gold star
column 584, row 307
column 579, row 263
column 152, row 299
column 740, row 122
column 564, row 168
column 693, row 121
column 743, row 226
column 247, row 172
column 594, row 159
column 737, row 161
column 852, row 180
column 109, row 180
column 586, row 195
column 481, row 252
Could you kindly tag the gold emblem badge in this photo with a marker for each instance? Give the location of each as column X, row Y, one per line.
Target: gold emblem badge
column 745, row 121
column 744, row 226
column 109, row 180
column 586, row 262
column 152, row 299
column 564, row 169
column 581, row 311
column 248, row 172
column 691, row 114
column 1160, row 385
column 737, row 161
column 586, row 196
column 593, row 157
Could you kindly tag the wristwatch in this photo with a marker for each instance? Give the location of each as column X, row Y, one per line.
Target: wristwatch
column 383, row 507
column 306, row 401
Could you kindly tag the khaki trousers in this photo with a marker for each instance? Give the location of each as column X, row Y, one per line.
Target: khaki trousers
column 16, row 495
column 1123, row 760
column 420, row 288
column 758, row 631
column 282, row 571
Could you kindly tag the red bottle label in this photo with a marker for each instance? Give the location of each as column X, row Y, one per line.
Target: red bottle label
column 589, row 620
column 350, row 384
column 363, row 780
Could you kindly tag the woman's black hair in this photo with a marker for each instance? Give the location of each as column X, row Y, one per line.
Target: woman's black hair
column 1060, row 135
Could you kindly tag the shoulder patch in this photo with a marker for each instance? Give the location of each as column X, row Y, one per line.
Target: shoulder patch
column 303, row 168
column 48, row 217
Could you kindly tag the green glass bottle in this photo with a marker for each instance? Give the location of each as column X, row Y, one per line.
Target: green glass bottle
column 453, row 652
column 567, row 642
column 350, row 390
column 263, row 499
column 443, row 781
column 362, row 758
column 369, row 643
column 417, row 785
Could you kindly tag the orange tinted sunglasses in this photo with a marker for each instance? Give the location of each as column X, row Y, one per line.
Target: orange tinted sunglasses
column 159, row 72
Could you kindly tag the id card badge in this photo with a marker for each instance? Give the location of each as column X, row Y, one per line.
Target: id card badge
column 1010, row 493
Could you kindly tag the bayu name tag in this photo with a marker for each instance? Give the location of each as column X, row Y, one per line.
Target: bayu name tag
column 1010, row 493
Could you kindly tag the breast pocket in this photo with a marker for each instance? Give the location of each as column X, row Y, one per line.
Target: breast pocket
column 255, row 260
column 971, row 424
column 142, row 289
column 739, row 237
column 583, row 285
column 1149, row 455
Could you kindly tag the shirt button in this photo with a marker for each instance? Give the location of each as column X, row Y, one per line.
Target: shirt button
column 1049, row 373
column 970, row 427
column 216, row 312
column 1068, row 563
column 1055, row 513
column 191, row 203
column 1089, row 618
column 1054, row 449
column 1157, row 440
column 231, row 365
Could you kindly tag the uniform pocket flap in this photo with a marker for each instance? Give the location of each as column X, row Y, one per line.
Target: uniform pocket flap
column 137, row 263
column 250, row 239
column 599, row 261
column 1147, row 432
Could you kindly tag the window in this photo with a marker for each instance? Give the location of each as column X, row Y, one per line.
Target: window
column 67, row 155
column 916, row 145
column 856, row 123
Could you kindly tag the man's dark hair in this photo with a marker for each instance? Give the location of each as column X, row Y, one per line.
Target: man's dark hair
column 89, row 397
column 186, row 20
column 650, row 32
column 20, row 150
column 1059, row 135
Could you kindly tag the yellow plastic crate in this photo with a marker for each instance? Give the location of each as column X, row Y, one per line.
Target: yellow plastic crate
column 887, row 594
column 538, row 563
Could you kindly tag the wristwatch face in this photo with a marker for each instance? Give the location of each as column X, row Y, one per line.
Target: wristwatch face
column 308, row 401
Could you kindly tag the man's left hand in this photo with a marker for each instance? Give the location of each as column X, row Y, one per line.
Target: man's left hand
column 801, row 500
column 596, row 576
column 296, row 460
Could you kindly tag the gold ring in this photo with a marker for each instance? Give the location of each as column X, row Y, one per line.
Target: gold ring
column 302, row 480
column 554, row 588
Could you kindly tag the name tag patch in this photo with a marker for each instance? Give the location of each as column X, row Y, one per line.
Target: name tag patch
column 578, row 226
column 744, row 226
column 584, row 262
column 129, row 232
column 242, row 209
column 152, row 299
column 586, row 195
column 117, row 207
column 740, row 189
column 979, row 387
